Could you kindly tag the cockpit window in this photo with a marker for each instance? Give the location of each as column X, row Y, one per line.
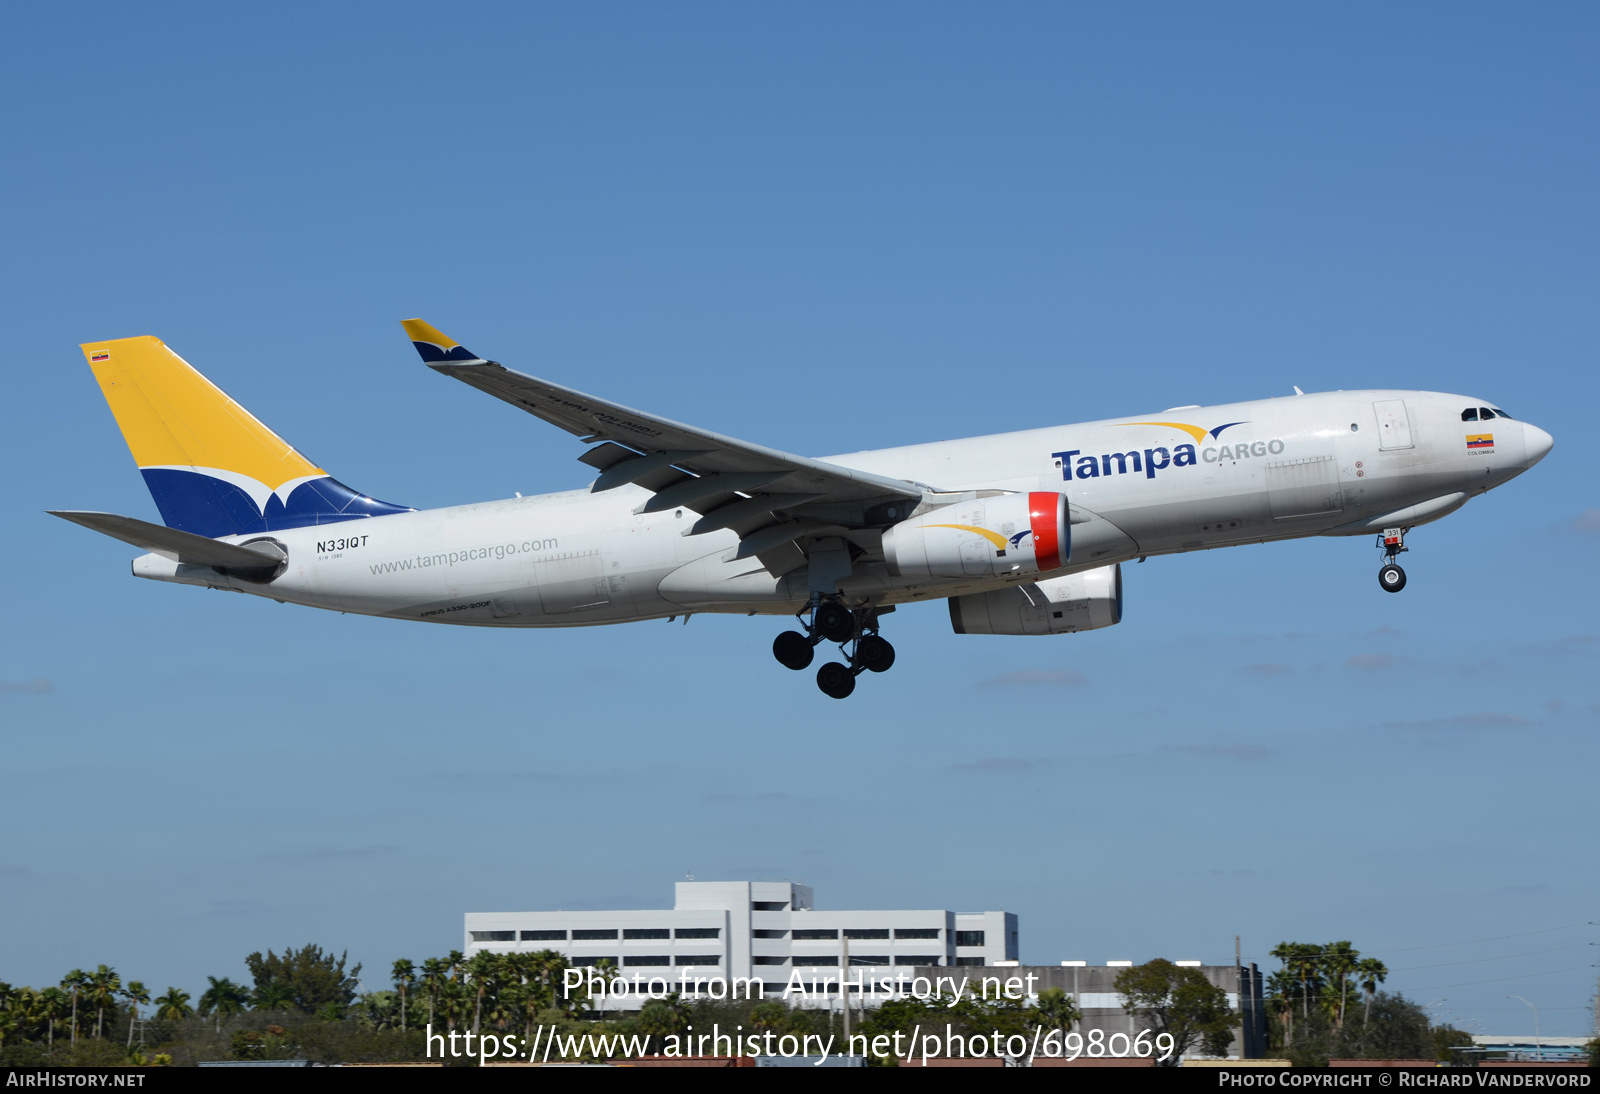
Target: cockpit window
column 1502, row 413
column 1470, row 414
column 1485, row 413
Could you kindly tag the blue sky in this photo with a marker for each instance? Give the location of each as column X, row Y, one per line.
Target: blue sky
column 823, row 228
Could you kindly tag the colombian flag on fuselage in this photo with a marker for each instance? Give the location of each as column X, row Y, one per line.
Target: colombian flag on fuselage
column 1480, row 440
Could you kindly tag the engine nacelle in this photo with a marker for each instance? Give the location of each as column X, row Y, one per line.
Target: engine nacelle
column 990, row 537
column 1061, row 605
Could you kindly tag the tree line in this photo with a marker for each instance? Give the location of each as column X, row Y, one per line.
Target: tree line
column 1326, row 1003
column 310, row 1003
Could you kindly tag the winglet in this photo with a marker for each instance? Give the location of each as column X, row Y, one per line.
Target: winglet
column 435, row 346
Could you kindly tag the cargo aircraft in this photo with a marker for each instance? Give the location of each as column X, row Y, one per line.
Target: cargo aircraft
column 1021, row 533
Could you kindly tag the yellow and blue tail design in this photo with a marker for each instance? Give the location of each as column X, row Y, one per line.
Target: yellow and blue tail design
column 212, row 468
column 434, row 345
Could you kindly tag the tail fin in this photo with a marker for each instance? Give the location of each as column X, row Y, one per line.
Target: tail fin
column 213, row 469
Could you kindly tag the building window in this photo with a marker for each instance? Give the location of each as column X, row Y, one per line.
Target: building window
column 963, row 938
column 816, row 962
column 969, row 961
column 645, row 932
column 544, row 936
column 769, row 934
column 494, row 936
column 585, row 935
column 918, row 959
column 814, row 934
column 646, row 959
column 916, row 932
column 699, row 932
column 866, row 932
column 869, row 959
column 769, row 905
column 770, row 960
column 699, row 959
column 586, row 962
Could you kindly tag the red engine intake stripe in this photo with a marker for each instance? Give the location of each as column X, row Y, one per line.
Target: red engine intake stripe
column 1044, row 517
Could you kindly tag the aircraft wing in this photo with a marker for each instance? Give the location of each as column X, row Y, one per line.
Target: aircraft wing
column 179, row 546
column 770, row 498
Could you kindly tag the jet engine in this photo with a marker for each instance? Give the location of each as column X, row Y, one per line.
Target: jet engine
column 989, row 537
column 1060, row 605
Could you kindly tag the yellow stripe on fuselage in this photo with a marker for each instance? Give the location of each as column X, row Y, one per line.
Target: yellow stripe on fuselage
column 171, row 416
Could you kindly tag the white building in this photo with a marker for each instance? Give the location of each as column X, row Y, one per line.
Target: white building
column 766, row 930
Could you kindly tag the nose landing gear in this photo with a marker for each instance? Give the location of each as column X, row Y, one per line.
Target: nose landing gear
column 833, row 621
column 1391, row 577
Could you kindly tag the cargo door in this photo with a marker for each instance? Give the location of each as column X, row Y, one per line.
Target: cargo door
column 1306, row 487
column 572, row 582
column 1394, row 426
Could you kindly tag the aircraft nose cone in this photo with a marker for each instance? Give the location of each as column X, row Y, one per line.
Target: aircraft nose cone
column 1538, row 443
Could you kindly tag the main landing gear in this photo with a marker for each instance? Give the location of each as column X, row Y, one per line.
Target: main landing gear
column 832, row 621
column 1391, row 577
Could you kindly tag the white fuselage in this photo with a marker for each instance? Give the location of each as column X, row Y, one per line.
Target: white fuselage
column 1340, row 463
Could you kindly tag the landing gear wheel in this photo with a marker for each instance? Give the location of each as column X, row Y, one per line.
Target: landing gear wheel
column 874, row 653
column 834, row 622
column 835, row 680
column 1392, row 578
column 793, row 650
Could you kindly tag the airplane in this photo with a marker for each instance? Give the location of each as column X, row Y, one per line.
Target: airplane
column 1021, row 533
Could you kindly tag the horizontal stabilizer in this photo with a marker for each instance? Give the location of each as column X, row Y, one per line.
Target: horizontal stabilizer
column 184, row 547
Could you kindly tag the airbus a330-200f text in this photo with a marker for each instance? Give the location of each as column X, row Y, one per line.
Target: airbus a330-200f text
column 1022, row 533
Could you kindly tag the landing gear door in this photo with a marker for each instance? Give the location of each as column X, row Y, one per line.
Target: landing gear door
column 1394, row 427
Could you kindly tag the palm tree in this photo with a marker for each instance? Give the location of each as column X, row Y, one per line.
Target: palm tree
column 405, row 974
column 484, row 970
column 576, row 1001
column 75, row 981
column 222, row 998
column 504, row 1005
column 1302, row 959
column 434, row 974
column 770, row 1015
column 53, row 1006
column 547, row 968
column 9, row 998
column 1340, row 959
column 1281, row 987
column 662, row 1018
column 453, row 1002
column 272, row 996
column 1055, row 1010
column 33, row 1010
column 173, row 1005
column 1371, row 973
column 377, row 1008
column 517, row 987
column 675, row 1003
column 135, row 993
column 8, row 1024
column 104, row 985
